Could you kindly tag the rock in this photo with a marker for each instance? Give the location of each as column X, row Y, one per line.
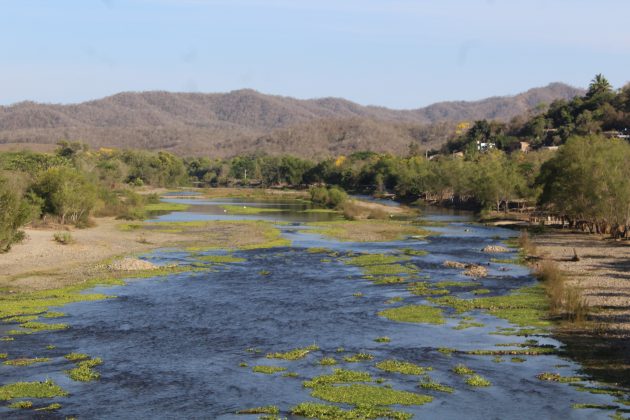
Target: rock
column 473, row 270
column 131, row 264
column 495, row 249
column 453, row 264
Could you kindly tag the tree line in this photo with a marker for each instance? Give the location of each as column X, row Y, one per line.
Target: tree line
column 586, row 182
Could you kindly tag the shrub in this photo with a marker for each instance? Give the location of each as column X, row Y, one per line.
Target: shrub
column 64, row 238
column 332, row 198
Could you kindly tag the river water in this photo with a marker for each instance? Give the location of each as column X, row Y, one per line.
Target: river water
column 172, row 346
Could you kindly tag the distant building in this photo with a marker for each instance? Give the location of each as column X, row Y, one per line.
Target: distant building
column 552, row 148
column 484, row 147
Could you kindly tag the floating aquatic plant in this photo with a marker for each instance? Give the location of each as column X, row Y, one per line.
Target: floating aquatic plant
column 294, row 354
column 414, row 313
column 477, row 381
column 269, row 370
column 398, row 366
column 359, row 357
column 268, row 409
column 26, row 361
column 339, row 376
column 45, row 389
column 368, row 395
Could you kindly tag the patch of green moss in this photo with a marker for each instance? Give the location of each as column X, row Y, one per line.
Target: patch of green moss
column 268, row 409
column 328, row 361
column 5, row 338
column 477, row 381
column 26, row 361
column 268, row 370
column 383, row 339
column 339, row 376
column 518, row 360
column 330, row 412
column 294, row 354
column 21, row 405
column 290, row 375
column 368, row 395
column 46, row 389
column 398, row 366
column 359, row 357
column 527, row 306
column 414, row 313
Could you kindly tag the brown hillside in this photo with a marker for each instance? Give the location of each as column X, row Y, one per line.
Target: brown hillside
column 248, row 121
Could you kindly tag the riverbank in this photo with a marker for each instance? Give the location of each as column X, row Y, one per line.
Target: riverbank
column 40, row 263
column 602, row 274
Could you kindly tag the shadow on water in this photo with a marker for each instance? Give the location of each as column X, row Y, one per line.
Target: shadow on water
column 172, row 346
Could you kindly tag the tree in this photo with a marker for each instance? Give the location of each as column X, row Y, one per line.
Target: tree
column 14, row 213
column 598, row 85
column 589, row 180
column 497, row 180
column 66, row 193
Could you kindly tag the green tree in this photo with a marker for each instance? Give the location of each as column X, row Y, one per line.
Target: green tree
column 589, row 180
column 599, row 85
column 14, row 213
column 67, row 193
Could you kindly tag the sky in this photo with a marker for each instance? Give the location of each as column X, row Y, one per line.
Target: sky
column 397, row 53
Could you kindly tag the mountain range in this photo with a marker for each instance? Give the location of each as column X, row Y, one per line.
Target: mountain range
column 246, row 121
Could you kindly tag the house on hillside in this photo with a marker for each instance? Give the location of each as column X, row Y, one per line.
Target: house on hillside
column 484, row 147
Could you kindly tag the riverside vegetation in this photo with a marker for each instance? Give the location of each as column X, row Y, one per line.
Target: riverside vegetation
column 587, row 182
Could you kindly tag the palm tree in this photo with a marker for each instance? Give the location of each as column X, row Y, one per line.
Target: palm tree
column 598, row 85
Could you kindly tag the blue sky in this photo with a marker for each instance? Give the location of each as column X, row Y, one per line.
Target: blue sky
column 395, row 53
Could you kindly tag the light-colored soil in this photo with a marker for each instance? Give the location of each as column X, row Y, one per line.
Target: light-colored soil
column 602, row 273
column 41, row 263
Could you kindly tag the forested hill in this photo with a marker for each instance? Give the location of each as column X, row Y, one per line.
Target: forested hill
column 246, row 121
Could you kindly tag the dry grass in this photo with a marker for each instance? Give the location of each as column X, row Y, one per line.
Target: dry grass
column 565, row 300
